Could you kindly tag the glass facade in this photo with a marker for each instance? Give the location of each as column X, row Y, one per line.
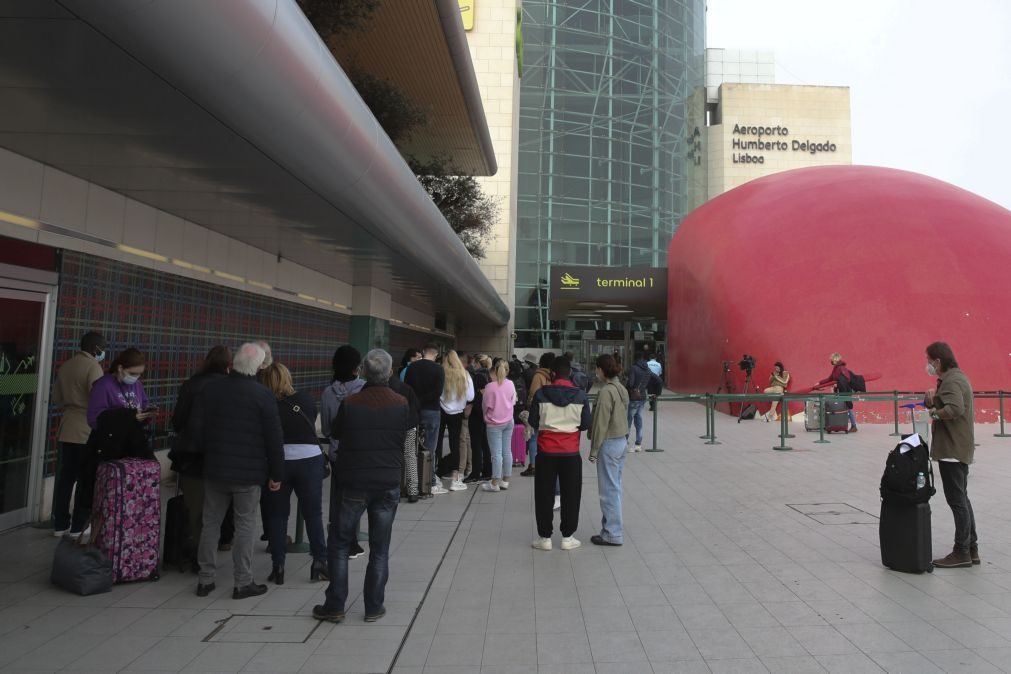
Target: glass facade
column 603, row 143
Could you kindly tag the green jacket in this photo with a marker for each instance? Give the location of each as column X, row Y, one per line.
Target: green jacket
column 952, row 432
column 610, row 415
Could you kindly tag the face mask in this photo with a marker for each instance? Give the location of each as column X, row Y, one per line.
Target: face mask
column 130, row 379
column 931, row 370
column 100, row 357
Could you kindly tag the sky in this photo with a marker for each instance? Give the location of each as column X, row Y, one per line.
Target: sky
column 930, row 80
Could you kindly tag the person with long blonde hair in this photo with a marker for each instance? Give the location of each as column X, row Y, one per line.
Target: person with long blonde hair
column 457, row 394
column 497, row 403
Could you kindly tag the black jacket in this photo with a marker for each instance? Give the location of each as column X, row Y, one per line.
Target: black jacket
column 186, row 458
column 371, row 427
column 641, row 377
column 236, row 425
column 427, row 378
column 413, row 407
column 298, row 426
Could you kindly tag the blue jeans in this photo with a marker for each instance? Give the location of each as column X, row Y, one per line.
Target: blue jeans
column 500, row 441
column 853, row 419
column 635, row 414
column 532, row 448
column 610, row 462
column 430, row 421
column 305, row 478
column 350, row 503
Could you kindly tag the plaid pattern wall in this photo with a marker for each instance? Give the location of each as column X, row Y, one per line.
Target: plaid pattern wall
column 175, row 321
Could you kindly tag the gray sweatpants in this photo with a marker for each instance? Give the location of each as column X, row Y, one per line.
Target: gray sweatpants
column 217, row 496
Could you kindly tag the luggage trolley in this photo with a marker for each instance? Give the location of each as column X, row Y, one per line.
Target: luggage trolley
column 920, row 419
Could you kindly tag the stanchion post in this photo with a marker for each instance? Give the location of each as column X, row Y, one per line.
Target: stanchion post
column 1000, row 415
column 656, row 407
column 784, row 413
column 299, row 544
column 821, row 422
column 712, row 425
column 895, row 401
column 709, row 428
column 783, row 432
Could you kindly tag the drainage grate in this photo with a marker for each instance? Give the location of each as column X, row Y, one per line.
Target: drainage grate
column 834, row 513
column 259, row 629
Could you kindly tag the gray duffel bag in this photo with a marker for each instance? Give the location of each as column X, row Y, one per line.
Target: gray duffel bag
column 82, row 569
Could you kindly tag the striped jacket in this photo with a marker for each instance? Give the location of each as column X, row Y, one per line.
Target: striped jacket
column 558, row 413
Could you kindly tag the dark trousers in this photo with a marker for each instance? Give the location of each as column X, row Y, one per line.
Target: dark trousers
column 452, row 423
column 69, row 474
column 567, row 472
column 955, row 479
column 305, row 478
column 480, row 451
column 349, row 505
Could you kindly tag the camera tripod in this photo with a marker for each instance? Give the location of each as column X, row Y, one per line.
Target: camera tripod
column 747, row 388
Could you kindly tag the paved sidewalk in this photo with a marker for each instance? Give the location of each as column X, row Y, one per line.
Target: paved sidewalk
column 737, row 558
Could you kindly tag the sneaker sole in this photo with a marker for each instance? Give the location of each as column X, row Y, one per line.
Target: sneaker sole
column 330, row 619
column 966, row 565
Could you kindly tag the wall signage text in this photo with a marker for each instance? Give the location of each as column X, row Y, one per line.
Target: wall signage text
column 770, row 139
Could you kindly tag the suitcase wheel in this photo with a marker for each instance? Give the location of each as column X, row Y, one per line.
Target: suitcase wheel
column 154, row 576
column 930, row 568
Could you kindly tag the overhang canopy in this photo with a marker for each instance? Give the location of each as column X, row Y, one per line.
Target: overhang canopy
column 420, row 47
column 234, row 115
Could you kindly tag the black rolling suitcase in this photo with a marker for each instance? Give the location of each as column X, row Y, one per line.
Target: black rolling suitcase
column 837, row 418
column 177, row 533
column 906, row 487
column 904, row 533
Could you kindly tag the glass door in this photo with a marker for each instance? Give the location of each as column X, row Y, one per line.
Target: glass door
column 22, row 316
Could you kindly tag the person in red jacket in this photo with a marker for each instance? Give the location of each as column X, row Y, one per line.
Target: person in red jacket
column 558, row 413
column 840, row 372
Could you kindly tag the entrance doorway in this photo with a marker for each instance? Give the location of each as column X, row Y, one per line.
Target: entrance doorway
column 25, row 344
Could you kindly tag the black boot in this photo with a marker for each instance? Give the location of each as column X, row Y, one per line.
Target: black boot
column 277, row 575
column 318, row 570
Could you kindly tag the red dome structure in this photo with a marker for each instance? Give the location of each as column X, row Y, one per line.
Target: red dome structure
column 873, row 263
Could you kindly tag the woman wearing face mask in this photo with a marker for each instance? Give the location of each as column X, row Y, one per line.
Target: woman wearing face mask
column 121, row 388
column 951, row 408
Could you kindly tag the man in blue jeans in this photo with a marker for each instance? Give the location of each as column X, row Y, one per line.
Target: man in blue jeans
column 371, row 427
column 639, row 379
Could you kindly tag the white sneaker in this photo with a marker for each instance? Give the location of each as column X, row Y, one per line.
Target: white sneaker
column 570, row 543
column 78, row 535
column 558, row 503
column 457, row 485
column 439, row 489
column 61, row 533
column 488, row 486
column 503, row 485
column 541, row 544
column 638, row 448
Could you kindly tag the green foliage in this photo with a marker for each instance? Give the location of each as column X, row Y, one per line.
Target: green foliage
column 469, row 211
column 331, row 17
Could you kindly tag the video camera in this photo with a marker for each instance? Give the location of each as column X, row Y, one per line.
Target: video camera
column 747, row 363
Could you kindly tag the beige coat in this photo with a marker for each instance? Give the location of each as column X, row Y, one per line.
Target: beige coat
column 953, row 432
column 71, row 391
column 610, row 415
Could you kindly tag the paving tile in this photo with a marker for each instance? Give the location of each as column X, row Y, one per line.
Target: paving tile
column 737, row 666
column 614, row 647
column 822, row 640
column 961, row 660
column 849, row 663
column 771, row 642
column 563, row 649
column 720, row 643
column 794, row 665
column 905, row 663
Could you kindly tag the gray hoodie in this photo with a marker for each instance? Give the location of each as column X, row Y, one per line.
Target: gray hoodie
column 333, row 396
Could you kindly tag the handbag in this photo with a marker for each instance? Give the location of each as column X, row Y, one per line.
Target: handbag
column 312, row 425
column 81, row 568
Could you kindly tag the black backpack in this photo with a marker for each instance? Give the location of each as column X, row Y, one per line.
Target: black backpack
column 898, row 483
column 857, row 383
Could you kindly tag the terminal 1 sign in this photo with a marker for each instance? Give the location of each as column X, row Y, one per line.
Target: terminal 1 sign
column 749, row 139
column 608, row 293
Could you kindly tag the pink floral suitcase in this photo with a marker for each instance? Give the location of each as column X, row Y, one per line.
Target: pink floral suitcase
column 127, row 517
column 519, row 445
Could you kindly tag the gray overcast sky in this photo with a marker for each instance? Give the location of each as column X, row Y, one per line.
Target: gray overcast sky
column 930, row 80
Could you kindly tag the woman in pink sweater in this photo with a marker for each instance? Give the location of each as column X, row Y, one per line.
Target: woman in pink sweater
column 498, row 402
